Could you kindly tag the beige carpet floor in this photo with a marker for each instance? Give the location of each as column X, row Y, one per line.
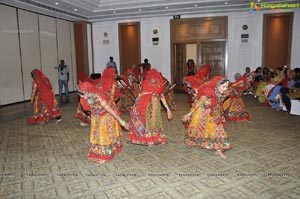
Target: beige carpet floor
column 50, row 161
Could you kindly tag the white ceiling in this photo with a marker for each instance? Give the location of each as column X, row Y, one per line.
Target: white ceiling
column 105, row 10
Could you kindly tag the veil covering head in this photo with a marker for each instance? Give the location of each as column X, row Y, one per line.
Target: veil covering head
column 210, row 89
column 191, row 84
column 203, row 73
column 41, row 79
column 154, row 82
column 240, row 84
column 129, row 71
column 37, row 73
column 89, row 88
column 83, row 77
column 107, row 80
column 126, row 75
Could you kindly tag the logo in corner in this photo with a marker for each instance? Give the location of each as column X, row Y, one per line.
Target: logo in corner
column 254, row 7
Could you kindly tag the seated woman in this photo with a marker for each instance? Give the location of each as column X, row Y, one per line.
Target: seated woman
column 234, row 107
column 105, row 136
column 274, row 97
column 264, row 88
column 205, row 120
column 146, row 126
column 292, row 92
column 44, row 103
column 258, row 84
column 247, row 71
column 265, row 74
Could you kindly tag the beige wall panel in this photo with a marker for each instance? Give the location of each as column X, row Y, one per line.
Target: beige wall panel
column 11, row 87
column 30, row 47
column 64, row 47
column 49, row 49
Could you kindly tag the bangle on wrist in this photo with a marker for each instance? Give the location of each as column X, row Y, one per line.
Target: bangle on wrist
column 190, row 113
column 123, row 123
column 105, row 106
column 167, row 108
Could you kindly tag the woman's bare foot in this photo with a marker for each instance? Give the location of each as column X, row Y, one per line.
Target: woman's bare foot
column 219, row 152
column 83, row 124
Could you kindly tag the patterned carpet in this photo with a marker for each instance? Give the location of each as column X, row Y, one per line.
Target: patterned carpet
column 50, row 161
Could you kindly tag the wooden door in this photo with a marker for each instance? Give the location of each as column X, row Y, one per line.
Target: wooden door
column 277, row 39
column 129, row 41
column 81, row 48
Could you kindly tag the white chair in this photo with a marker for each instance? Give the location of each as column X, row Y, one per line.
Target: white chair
column 295, row 109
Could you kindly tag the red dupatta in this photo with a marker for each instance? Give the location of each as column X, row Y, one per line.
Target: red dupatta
column 203, row 73
column 41, row 80
column 89, row 88
column 106, row 82
column 210, row 90
column 85, row 78
column 239, row 85
column 153, row 84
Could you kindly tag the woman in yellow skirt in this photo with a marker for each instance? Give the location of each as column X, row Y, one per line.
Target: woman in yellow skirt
column 105, row 135
column 204, row 127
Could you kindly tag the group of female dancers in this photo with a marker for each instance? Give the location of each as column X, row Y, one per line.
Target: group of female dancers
column 102, row 101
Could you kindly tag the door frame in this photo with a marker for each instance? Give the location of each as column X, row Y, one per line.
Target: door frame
column 290, row 35
column 196, row 30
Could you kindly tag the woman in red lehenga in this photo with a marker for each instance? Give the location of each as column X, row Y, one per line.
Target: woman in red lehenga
column 205, row 120
column 146, row 126
column 190, row 83
column 44, row 103
column 234, row 107
column 84, row 116
column 108, row 84
column 129, row 90
column 105, row 136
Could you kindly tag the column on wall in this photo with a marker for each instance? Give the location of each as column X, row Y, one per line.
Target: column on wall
column 81, row 47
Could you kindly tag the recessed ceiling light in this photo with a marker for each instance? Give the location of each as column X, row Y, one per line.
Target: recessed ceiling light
column 196, row 5
column 140, row 9
column 56, row 3
column 75, row 9
column 167, row 7
column 226, row 2
column 114, row 12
